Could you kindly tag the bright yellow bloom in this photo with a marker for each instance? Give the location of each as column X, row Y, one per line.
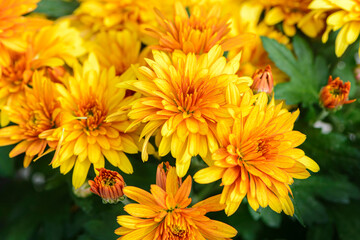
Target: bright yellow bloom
column 184, row 97
column 258, row 157
column 105, row 15
column 34, row 112
column 291, row 13
column 164, row 214
column 344, row 15
column 86, row 133
column 47, row 48
column 196, row 33
column 116, row 48
column 246, row 18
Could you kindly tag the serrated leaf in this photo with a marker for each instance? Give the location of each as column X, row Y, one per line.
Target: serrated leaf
column 304, row 85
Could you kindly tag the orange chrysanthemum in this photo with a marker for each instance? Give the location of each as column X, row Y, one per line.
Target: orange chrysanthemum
column 196, row 33
column 184, row 95
column 35, row 112
column 164, row 214
column 48, row 48
column 335, row 94
column 258, row 158
column 87, row 134
column 108, row 185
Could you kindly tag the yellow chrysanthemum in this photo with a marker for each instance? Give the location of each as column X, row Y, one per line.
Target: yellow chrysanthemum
column 184, row 96
column 12, row 24
column 86, row 134
column 246, row 18
column 164, row 214
column 291, row 14
column 48, row 48
column 344, row 15
column 196, row 33
column 36, row 111
column 116, row 48
column 258, row 157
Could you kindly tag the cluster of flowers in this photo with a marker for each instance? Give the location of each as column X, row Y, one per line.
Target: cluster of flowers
column 98, row 84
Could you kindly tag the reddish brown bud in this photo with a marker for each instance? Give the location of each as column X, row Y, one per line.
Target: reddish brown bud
column 335, row 94
column 263, row 80
column 108, row 185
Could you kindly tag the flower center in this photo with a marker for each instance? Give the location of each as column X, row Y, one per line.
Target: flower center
column 178, row 231
column 13, row 75
column 91, row 113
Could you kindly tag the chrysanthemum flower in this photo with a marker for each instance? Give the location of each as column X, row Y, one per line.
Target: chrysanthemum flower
column 245, row 19
column 344, row 15
column 48, row 48
column 108, row 185
column 164, row 214
column 162, row 173
column 335, row 94
column 116, row 48
column 87, row 135
column 105, row 15
column 13, row 24
column 196, row 33
column 258, row 158
column 290, row 13
column 35, row 111
column 184, row 96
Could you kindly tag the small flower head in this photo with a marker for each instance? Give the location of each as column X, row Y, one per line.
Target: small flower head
column 165, row 214
column 335, row 94
column 263, row 80
column 108, row 185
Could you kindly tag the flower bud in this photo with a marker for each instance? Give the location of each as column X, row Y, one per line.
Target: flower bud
column 335, row 94
column 263, row 80
column 161, row 175
column 108, row 185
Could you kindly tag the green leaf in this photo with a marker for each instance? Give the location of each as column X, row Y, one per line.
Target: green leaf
column 56, row 8
column 304, row 84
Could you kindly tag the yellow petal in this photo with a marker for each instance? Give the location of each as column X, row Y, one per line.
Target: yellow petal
column 208, row 175
column 80, row 172
column 309, row 163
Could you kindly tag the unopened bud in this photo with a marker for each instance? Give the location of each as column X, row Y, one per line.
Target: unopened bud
column 108, row 185
column 161, row 175
column 263, row 80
